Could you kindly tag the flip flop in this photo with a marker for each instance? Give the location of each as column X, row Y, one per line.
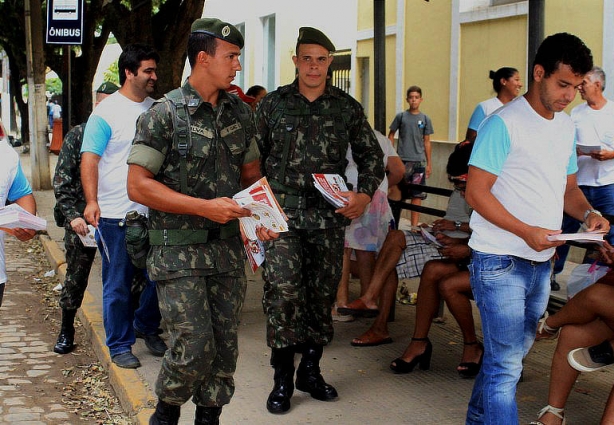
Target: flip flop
column 370, row 339
column 358, row 308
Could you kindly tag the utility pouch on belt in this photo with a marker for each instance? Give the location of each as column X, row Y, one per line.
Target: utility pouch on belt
column 137, row 238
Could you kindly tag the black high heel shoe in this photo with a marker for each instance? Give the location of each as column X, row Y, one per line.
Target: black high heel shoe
column 423, row 360
column 471, row 369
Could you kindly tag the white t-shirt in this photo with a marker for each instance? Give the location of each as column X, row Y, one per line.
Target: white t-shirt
column 109, row 133
column 13, row 185
column 531, row 157
column 483, row 110
column 594, row 127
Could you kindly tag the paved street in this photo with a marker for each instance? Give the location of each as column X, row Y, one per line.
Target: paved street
column 369, row 392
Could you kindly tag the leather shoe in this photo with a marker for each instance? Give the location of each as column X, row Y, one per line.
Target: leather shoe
column 65, row 343
column 126, row 360
column 154, row 343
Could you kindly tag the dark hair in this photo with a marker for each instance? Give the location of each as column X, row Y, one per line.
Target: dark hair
column 131, row 58
column 563, row 48
column 458, row 161
column 200, row 42
column 496, row 76
column 414, row 89
column 254, row 91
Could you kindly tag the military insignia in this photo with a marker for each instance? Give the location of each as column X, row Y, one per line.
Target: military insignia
column 226, row 31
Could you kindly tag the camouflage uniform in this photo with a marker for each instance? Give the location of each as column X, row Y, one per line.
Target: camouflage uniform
column 70, row 205
column 201, row 282
column 303, row 266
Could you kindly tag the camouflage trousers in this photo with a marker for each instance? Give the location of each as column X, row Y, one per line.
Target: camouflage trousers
column 301, row 273
column 79, row 261
column 201, row 314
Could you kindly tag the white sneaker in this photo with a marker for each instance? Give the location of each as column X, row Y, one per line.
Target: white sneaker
column 591, row 359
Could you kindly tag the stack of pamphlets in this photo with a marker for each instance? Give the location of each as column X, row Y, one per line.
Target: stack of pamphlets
column 89, row 240
column 329, row 186
column 266, row 212
column 588, row 149
column 581, row 237
column 14, row 217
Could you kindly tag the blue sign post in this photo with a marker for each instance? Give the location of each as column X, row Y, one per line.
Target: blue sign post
column 64, row 21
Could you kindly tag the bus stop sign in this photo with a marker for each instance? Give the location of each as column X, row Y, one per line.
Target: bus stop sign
column 64, row 21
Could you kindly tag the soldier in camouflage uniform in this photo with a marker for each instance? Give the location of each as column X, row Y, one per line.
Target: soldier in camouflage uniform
column 304, row 128
column 193, row 150
column 70, row 203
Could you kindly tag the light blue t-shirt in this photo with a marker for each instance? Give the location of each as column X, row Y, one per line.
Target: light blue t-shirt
column 531, row 157
column 20, row 187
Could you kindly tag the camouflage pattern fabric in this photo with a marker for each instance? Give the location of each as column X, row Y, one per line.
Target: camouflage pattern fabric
column 67, row 186
column 303, row 267
column 70, row 203
column 201, row 287
column 313, row 137
column 220, row 144
column 79, row 261
column 301, row 274
column 202, row 315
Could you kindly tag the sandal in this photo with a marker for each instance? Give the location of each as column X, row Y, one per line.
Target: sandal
column 544, row 331
column 558, row 412
column 471, row 369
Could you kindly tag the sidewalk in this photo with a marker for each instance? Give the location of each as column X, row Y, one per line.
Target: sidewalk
column 369, row 392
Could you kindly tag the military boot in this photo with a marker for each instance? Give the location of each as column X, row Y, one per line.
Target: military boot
column 207, row 415
column 308, row 376
column 165, row 414
column 66, row 339
column 282, row 360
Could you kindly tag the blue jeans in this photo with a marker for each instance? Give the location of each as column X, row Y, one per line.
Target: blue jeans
column 602, row 199
column 511, row 294
column 118, row 306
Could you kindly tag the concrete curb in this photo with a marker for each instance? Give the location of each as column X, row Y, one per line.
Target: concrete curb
column 135, row 396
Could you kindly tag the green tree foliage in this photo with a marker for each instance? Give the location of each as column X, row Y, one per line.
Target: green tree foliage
column 112, row 73
column 53, row 86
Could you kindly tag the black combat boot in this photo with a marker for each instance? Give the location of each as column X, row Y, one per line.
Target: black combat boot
column 308, row 376
column 66, row 339
column 165, row 414
column 282, row 360
column 207, row 415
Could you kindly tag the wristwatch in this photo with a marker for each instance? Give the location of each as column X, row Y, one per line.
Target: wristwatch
column 591, row 211
column 458, row 224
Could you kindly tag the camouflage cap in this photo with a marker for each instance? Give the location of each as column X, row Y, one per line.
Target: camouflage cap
column 309, row 35
column 107, row 88
column 218, row 29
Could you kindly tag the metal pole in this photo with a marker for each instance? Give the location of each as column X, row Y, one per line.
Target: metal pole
column 536, row 32
column 379, row 56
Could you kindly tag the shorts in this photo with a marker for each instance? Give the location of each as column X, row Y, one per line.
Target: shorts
column 415, row 255
column 415, row 173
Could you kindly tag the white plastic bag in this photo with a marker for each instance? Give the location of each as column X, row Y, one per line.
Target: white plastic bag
column 583, row 276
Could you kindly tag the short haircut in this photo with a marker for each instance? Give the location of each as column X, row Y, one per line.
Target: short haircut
column 200, row 42
column 563, row 48
column 131, row 58
column 254, row 91
column 597, row 74
column 505, row 73
column 414, row 89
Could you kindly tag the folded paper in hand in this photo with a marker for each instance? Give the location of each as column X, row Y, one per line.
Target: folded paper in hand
column 266, row 212
column 14, row 217
column 580, row 237
column 429, row 237
column 329, row 186
column 587, row 150
column 89, row 240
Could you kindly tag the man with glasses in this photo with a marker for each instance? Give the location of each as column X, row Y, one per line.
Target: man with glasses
column 304, row 128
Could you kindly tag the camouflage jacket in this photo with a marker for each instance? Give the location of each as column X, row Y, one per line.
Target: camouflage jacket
column 297, row 138
column 70, row 200
column 222, row 140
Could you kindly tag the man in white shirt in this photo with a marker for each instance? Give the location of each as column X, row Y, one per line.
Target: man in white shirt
column 522, row 175
column 594, row 122
column 106, row 144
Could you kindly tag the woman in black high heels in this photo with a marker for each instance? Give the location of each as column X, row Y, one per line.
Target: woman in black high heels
column 448, row 279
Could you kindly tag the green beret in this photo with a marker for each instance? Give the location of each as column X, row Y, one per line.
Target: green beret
column 218, row 29
column 308, row 35
column 107, row 88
